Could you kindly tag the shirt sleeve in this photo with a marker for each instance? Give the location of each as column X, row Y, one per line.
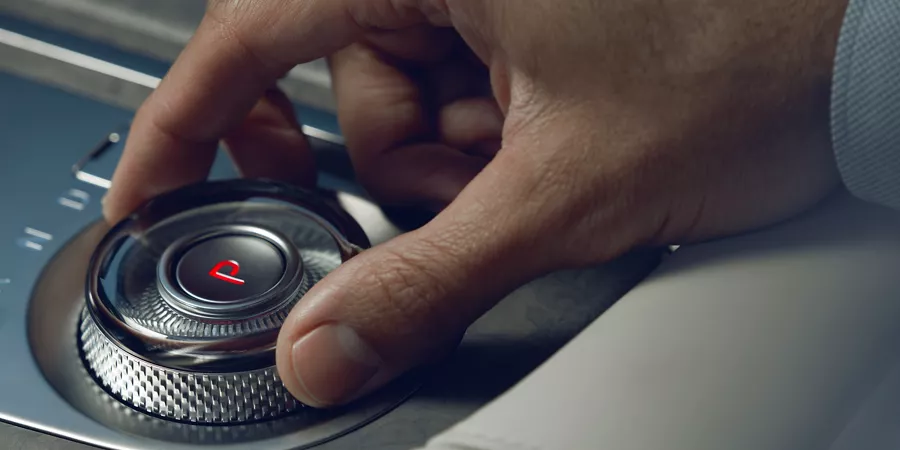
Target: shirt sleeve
column 866, row 101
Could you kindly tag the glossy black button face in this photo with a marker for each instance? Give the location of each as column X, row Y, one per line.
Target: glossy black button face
column 230, row 268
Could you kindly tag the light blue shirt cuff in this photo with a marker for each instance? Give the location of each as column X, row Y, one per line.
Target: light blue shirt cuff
column 866, row 101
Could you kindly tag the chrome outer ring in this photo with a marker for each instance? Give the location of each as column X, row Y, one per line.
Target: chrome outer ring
column 283, row 291
column 194, row 397
column 207, row 354
column 226, row 373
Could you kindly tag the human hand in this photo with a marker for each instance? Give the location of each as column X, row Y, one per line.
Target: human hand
column 607, row 125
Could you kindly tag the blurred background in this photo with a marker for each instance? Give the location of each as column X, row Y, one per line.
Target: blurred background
column 156, row 29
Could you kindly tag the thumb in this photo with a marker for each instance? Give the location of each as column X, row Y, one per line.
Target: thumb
column 409, row 301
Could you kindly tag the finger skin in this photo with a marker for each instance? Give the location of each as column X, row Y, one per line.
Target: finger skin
column 644, row 128
column 237, row 52
column 396, row 151
column 468, row 122
column 270, row 143
column 409, row 301
column 422, row 43
column 379, row 106
column 175, row 132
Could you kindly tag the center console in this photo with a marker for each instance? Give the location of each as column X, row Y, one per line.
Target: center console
column 158, row 332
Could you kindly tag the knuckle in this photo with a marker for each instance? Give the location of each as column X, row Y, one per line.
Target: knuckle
column 239, row 22
column 436, row 11
column 369, row 134
column 382, row 14
column 398, row 13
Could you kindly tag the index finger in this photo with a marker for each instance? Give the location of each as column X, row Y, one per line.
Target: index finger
column 238, row 51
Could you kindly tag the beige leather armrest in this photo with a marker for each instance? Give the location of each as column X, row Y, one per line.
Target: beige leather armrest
column 773, row 340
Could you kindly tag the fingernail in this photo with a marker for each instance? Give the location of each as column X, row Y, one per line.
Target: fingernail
column 103, row 203
column 495, row 120
column 332, row 364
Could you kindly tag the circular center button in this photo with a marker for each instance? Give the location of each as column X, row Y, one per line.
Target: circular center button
column 230, row 268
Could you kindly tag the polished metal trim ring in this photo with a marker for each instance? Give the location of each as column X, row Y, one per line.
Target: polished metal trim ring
column 158, row 347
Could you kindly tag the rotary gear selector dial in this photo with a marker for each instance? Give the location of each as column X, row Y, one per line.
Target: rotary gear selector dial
column 186, row 296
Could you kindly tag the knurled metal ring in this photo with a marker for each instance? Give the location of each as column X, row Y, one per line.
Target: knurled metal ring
column 197, row 397
column 218, row 369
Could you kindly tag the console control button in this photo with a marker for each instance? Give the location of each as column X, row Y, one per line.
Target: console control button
column 230, row 268
column 185, row 298
column 230, row 272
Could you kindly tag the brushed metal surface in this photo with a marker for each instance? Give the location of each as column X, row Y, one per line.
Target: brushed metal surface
column 160, row 29
column 17, row 438
column 98, row 79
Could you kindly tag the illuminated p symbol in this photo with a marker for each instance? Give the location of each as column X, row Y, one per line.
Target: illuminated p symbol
column 231, row 277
